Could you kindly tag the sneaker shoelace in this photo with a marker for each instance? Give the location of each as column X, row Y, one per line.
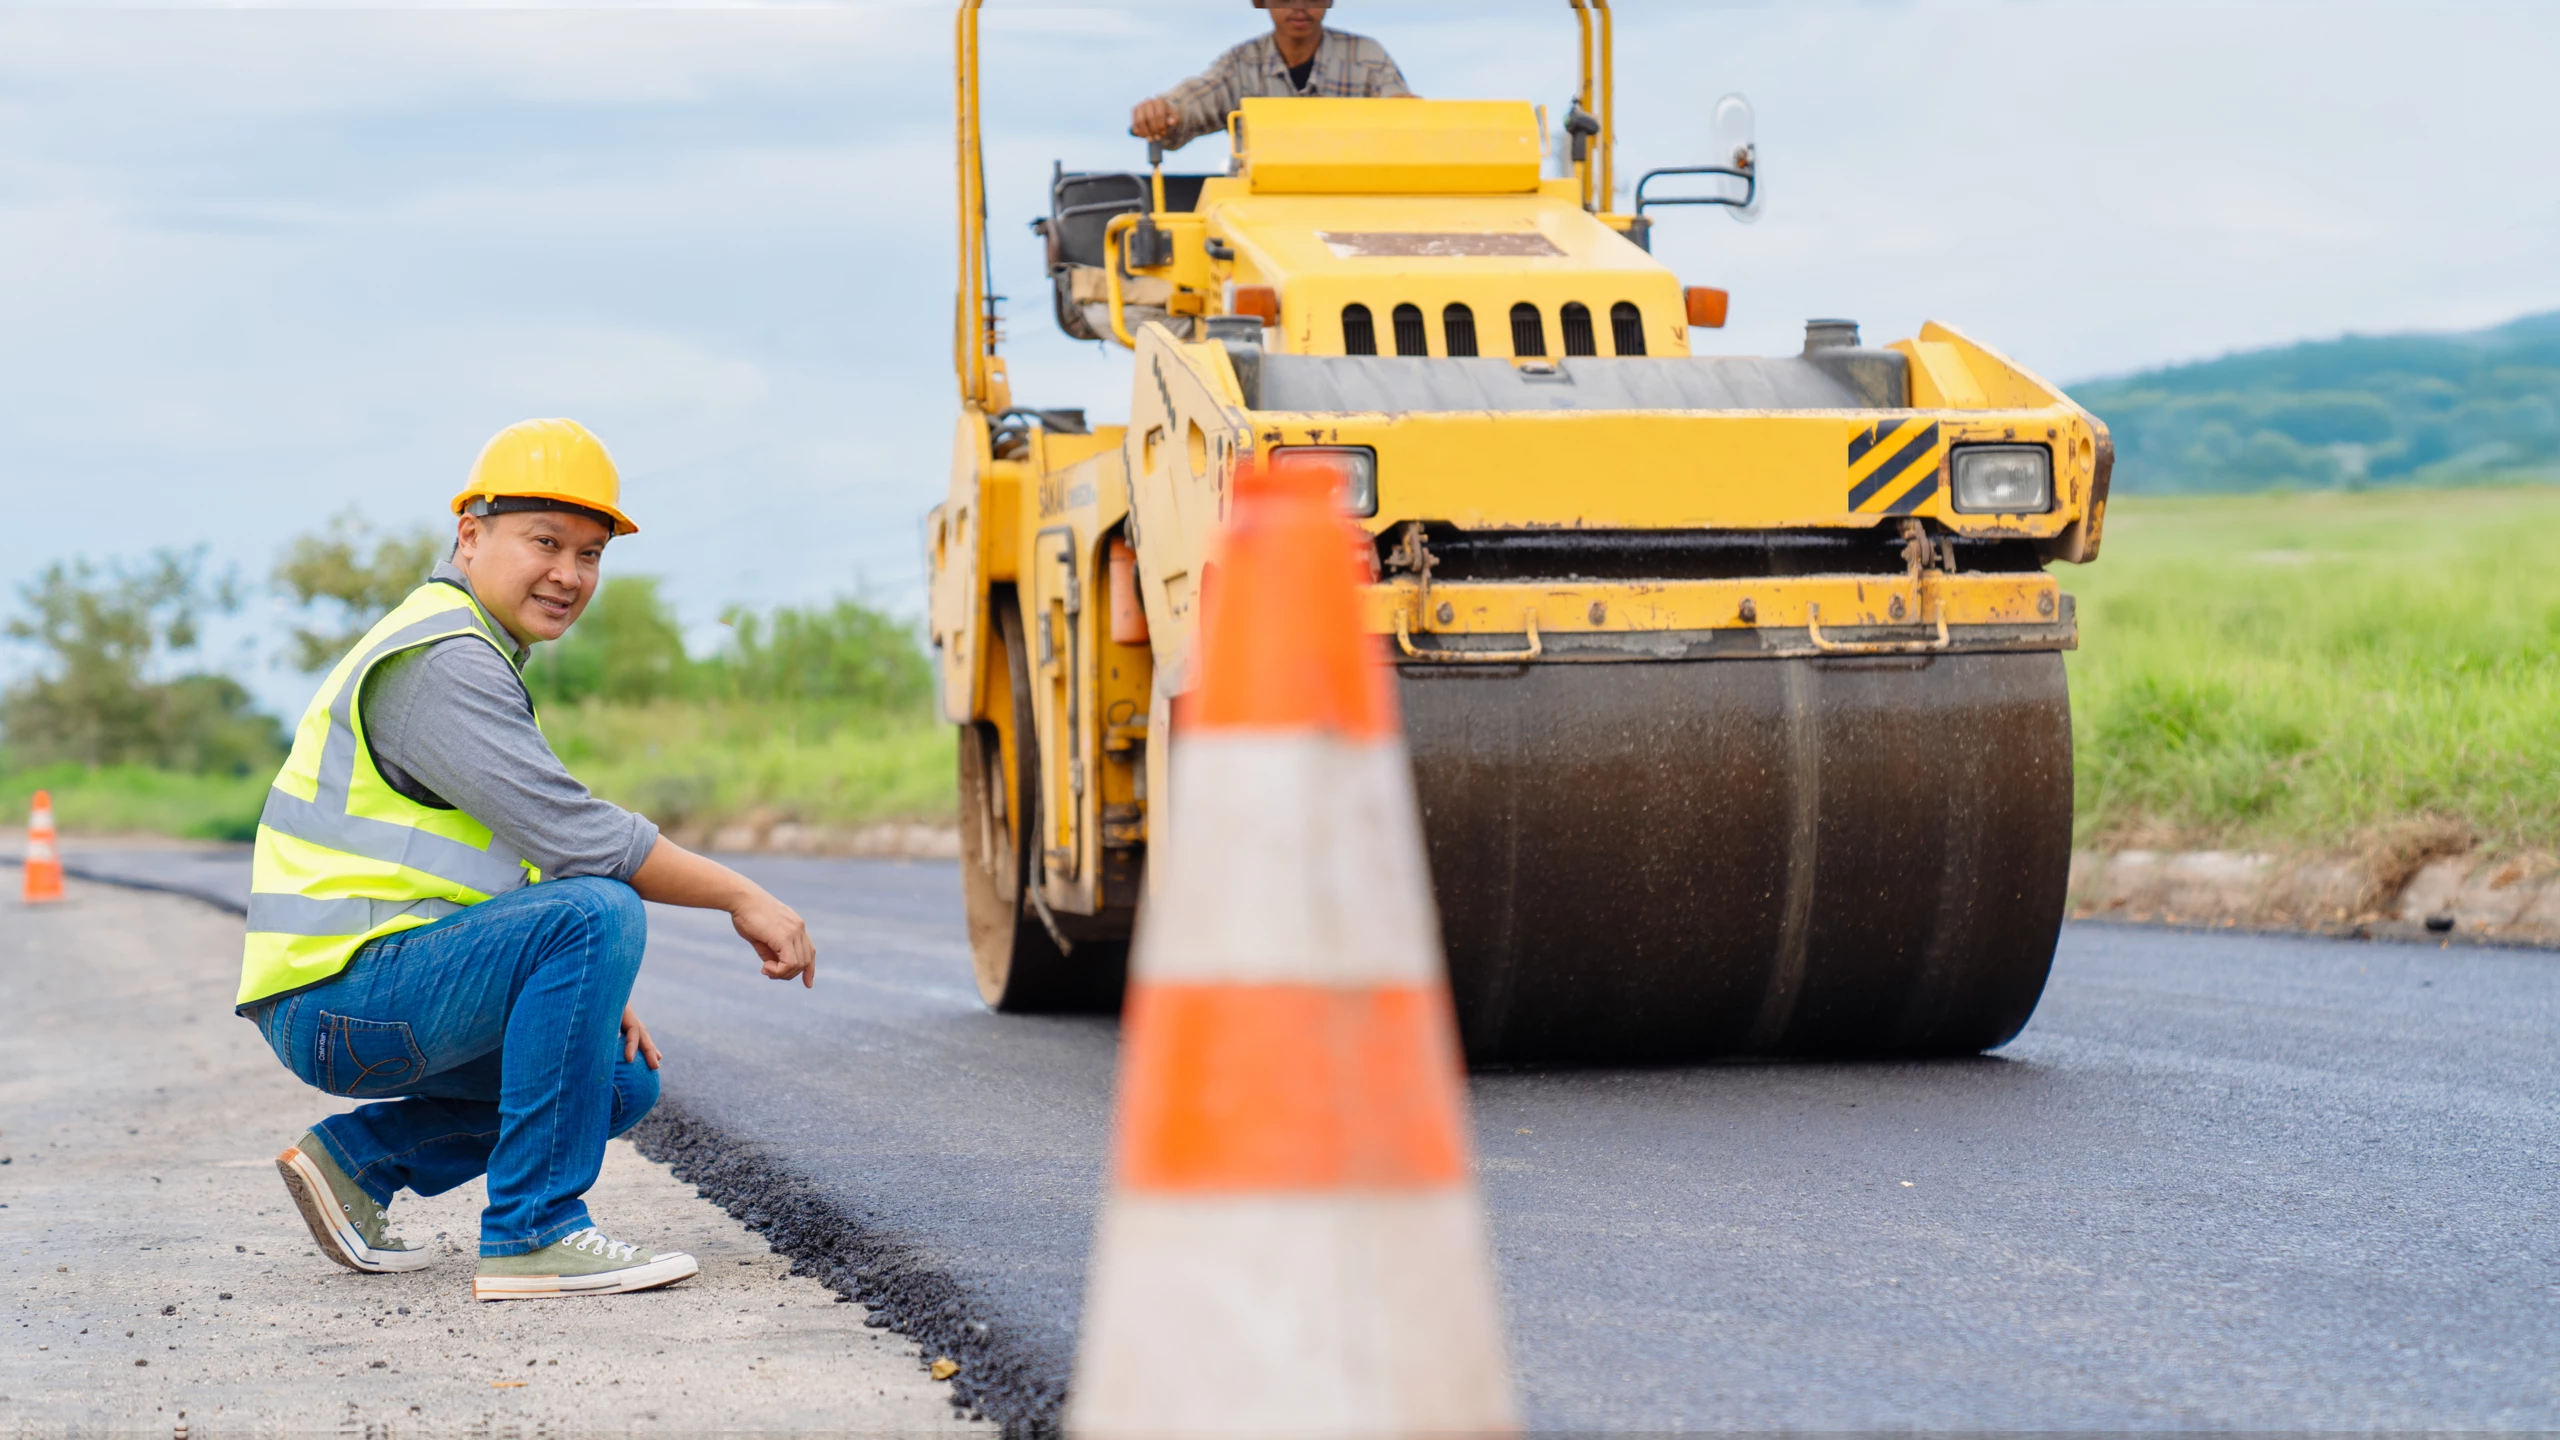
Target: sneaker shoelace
column 596, row 1242
column 374, row 1222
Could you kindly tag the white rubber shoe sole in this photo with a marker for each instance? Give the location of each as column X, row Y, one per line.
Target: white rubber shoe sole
column 661, row 1270
column 331, row 1226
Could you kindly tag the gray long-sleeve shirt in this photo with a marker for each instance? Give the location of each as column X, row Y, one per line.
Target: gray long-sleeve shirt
column 450, row 726
column 1346, row 66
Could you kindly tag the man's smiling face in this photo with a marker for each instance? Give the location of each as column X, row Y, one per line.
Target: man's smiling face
column 535, row 570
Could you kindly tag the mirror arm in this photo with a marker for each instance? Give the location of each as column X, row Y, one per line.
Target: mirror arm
column 1750, row 186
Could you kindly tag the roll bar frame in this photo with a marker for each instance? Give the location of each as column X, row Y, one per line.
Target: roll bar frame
column 975, row 335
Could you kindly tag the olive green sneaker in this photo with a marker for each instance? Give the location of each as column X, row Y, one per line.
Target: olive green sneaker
column 586, row 1263
column 350, row 1227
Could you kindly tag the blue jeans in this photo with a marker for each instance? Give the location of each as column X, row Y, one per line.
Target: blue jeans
column 501, row 1029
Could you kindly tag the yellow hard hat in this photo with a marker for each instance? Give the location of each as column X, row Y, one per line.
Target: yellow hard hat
column 545, row 465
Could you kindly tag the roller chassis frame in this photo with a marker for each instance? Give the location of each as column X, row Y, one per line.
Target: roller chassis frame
column 1097, row 708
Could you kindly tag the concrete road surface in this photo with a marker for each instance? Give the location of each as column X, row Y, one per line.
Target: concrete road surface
column 2221, row 1181
column 156, row 1270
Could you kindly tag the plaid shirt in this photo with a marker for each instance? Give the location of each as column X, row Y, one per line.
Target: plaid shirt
column 1348, row 67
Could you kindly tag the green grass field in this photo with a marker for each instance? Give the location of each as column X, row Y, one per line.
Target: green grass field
column 701, row 763
column 2314, row 669
column 131, row 799
column 681, row 763
column 2278, row 670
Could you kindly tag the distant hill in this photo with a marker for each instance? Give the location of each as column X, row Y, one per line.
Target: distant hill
column 2367, row 409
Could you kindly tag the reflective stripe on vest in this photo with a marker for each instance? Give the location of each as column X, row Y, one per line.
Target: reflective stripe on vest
column 342, row 858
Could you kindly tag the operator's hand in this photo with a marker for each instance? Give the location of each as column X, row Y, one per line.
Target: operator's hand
column 780, row 936
column 1152, row 120
column 636, row 1043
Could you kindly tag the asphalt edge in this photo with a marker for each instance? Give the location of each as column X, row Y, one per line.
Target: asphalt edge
column 214, row 898
column 1003, row 1377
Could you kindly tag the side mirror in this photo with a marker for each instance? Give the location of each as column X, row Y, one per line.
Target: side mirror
column 1737, row 166
column 1737, row 142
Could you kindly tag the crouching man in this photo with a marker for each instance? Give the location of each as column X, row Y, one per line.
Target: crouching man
column 444, row 922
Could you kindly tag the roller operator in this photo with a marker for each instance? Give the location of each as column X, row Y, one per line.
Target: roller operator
column 1301, row 56
column 443, row 922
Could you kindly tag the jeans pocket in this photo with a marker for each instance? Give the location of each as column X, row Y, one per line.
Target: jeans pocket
column 363, row 1059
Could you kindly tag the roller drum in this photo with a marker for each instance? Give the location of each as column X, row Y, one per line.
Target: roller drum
column 1651, row 861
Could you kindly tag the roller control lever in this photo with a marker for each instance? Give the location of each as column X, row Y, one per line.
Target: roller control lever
column 1150, row 245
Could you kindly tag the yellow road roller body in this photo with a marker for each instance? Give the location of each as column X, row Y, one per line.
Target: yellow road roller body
column 1733, row 684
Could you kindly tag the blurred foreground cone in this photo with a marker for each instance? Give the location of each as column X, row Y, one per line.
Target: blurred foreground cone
column 44, row 863
column 1292, row 1245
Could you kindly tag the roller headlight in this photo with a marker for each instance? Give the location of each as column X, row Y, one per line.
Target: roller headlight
column 1359, row 466
column 2003, row 479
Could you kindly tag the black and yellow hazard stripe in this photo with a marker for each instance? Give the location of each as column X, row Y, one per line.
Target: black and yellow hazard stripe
column 1893, row 466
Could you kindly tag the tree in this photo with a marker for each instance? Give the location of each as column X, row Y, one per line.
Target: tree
column 629, row 649
column 95, row 701
column 334, row 568
column 847, row 651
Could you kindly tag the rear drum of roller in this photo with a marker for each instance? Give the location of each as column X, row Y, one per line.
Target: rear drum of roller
column 1648, row 861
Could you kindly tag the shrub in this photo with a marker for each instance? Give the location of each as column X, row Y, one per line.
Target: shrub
column 847, row 652
column 333, row 569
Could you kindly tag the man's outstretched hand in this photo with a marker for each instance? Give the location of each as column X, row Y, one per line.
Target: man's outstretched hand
column 673, row 875
column 780, row 936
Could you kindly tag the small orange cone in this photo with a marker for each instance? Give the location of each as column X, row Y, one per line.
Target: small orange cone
column 1293, row 1243
column 44, row 863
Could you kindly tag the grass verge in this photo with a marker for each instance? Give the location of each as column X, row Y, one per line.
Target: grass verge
column 688, row 765
column 135, row 799
column 2321, row 670
column 2376, row 669
column 695, row 764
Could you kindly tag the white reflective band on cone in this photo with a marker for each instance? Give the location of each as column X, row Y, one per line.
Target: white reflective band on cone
column 1293, row 1315
column 1315, row 877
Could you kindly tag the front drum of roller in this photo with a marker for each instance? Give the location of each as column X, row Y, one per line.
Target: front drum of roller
column 1642, row 861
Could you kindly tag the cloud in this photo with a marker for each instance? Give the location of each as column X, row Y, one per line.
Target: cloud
column 257, row 265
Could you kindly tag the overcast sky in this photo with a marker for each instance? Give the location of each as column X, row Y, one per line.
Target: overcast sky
column 259, row 265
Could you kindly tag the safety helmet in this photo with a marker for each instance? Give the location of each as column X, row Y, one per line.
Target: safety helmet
column 545, row 465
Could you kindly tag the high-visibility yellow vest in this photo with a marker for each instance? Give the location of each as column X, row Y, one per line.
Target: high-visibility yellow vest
column 342, row 857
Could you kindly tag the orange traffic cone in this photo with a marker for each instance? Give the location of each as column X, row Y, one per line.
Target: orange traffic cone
column 44, row 863
column 1293, row 1244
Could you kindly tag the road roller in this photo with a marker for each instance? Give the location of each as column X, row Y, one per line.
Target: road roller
column 1733, row 684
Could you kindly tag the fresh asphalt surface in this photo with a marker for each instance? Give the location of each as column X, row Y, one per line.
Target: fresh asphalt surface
column 2220, row 1182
